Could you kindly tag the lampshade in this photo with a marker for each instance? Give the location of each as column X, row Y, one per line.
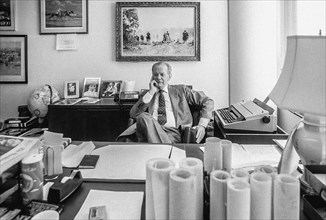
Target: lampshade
column 302, row 85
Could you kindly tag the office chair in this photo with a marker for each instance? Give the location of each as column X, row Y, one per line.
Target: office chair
column 188, row 135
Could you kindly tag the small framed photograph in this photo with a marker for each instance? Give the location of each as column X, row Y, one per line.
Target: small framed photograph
column 62, row 17
column 71, row 89
column 110, row 88
column 7, row 15
column 13, row 59
column 91, row 87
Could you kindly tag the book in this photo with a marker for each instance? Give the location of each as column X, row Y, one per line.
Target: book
column 21, row 122
column 14, row 149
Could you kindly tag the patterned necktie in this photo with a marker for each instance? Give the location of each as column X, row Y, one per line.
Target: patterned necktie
column 161, row 112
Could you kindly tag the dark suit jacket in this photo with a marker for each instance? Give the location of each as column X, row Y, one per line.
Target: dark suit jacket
column 181, row 98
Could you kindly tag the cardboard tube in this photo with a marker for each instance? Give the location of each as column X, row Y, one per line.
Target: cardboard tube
column 260, row 196
column 182, row 194
column 286, row 197
column 196, row 166
column 218, row 196
column 157, row 188
column 213, row 154
column 238, row 199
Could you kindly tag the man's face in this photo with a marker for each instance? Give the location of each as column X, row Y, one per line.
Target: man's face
column 161, row 76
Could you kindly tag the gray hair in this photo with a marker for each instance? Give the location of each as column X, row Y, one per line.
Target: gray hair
column 162, row 63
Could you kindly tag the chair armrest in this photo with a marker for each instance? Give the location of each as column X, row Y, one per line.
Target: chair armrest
column 131, row 121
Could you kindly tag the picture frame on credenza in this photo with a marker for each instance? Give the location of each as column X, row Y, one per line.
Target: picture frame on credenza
column 91, row 87
column 71, row 89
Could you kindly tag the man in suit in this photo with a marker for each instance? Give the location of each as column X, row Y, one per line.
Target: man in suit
column 163, row 111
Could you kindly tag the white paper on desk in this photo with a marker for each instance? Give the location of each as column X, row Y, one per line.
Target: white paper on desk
column 177, row 155
column 125, row 161
column 52, row 138
column 119, row 205
column 254, row 155
column 73, row 154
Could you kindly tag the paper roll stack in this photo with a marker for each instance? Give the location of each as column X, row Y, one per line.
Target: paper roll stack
column 286, row 197
column 271, row 171
column 182, row 194
column 218, row 194
column 157, row 187
column 196, row 166
column 240, row 174
column 261, row 196
column 238, row 199
column 213, row 155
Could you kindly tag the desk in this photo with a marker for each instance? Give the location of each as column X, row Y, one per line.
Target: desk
column 102, row 121
column 75, row 201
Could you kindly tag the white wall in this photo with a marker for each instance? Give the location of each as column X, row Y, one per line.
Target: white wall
column 95, row 56
column 253, row 36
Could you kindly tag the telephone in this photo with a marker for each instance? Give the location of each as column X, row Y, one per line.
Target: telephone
column 127, row 97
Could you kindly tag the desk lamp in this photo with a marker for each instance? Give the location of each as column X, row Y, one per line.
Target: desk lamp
column 301, row 88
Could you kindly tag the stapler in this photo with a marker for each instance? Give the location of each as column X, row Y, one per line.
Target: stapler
column 64, row 187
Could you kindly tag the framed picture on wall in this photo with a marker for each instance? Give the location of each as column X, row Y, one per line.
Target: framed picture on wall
column 91, row 87
column 13, row 59
column 71, row 89
column 155, row 31
column 110, row 88
column 7, row 15
column 64, row 16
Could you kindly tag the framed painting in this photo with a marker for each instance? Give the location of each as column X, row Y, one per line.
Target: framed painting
column 71, row 89
column 64, row 17
column 110, row 88
column 91, row 87
column 13, row 59
column 7, row 15
column 155, row 31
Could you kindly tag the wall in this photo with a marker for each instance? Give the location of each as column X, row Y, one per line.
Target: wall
column 253, row 37
column 95, row 56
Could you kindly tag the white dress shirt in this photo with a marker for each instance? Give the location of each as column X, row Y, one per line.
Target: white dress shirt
column 168, row 107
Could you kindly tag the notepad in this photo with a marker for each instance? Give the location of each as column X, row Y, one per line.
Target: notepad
column 119, row 205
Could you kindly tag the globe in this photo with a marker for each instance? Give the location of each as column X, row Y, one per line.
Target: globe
column 40, row 99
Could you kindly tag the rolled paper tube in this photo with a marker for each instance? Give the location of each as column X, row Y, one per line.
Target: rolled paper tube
column 213, row 155
column 196, row 166
column 218, row 197
column 241, row 174
column 261, row 196
column 286, row 197
column 238, row 199
column 227, row 155
column 157, row 187
column 182, row 194
column 266, row 169
column 32, row 178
